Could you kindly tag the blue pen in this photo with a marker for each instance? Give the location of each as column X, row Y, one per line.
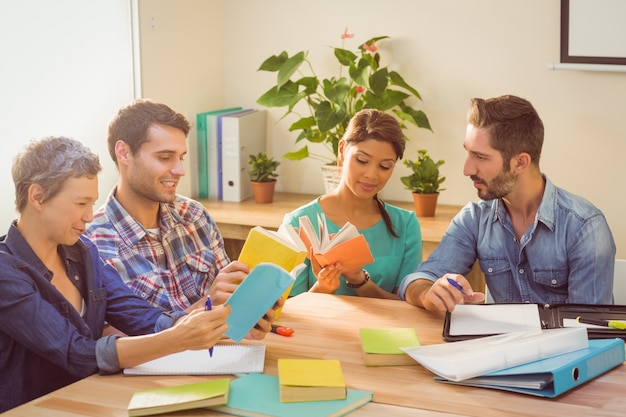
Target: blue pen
column 207, row 307
column 456, row 285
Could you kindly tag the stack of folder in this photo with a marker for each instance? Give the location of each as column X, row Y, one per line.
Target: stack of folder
column 553, row 376
column 545, row 363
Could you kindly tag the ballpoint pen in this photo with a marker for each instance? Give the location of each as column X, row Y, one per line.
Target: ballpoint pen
column 456, row 285
column 207, row 307
column 613, row 324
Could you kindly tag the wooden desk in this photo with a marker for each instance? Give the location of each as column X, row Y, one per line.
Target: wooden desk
column 326, row 326
column 236, row 219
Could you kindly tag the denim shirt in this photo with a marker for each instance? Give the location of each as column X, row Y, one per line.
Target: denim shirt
column 566, row 256
column 45, row 343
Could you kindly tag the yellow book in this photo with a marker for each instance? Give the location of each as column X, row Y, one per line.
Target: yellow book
column 279, row 248
column 310, row 380
column 381, row 347
column 282, row 248
column 179, row 397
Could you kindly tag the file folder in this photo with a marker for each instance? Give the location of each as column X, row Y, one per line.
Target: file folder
column 242, row 135
column 553, row 376
column 220, row 153
column 204, row 152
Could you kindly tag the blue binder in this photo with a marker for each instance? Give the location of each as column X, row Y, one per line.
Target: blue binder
column 206, row 152
column 553, row 376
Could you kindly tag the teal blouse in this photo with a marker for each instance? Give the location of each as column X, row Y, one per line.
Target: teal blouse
column 394, row 257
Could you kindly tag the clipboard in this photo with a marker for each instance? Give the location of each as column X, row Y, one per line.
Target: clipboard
column 552, row 316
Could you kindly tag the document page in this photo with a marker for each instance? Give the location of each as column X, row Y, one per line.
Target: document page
column 474, row 319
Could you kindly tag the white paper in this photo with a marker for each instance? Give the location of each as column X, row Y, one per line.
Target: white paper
column 226, row 359
column 457, row 361
column 471, row 319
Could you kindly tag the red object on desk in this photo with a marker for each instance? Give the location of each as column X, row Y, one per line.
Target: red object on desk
column 282, row 330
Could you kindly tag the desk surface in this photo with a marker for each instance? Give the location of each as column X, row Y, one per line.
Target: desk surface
column 326, row 326
column 235, row 219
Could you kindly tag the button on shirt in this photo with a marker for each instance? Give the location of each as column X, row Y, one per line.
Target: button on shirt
column 566, row 256
column 170, row 269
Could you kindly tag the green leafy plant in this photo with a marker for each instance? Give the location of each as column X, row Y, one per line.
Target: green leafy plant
column 262, row 168
column 425, row 178
column 331, row 102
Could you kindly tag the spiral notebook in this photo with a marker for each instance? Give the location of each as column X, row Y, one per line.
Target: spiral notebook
column 226, row 359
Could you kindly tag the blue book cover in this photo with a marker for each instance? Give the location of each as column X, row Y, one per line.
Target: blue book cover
column 258, row 395
column 256, row 294
column 553, row 376
column 204, row 154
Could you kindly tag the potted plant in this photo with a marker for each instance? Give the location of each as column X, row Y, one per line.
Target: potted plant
column 263, row 177
column 329, row 103
column 424, row 182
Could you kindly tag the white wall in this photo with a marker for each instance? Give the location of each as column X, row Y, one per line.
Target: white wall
column 66, row 68
column 451, row 50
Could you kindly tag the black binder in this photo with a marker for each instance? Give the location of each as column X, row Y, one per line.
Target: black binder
column 552, row 315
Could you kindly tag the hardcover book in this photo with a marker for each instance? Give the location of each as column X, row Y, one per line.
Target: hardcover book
column 256, row 295
column 256, row 395
column 179, row 397
column 381, row 347
column 310, row 380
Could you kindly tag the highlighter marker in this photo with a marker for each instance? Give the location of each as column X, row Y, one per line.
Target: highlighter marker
column 282, row 330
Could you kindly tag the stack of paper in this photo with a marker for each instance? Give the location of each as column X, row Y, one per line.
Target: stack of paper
column 470, row 358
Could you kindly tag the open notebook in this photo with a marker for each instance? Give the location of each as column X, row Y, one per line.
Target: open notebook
column 226, row 359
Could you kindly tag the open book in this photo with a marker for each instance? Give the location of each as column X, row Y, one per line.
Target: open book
column 283, row 248
column 347, row 246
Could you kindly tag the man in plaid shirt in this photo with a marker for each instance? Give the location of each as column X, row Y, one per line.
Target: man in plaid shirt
column 166, row 247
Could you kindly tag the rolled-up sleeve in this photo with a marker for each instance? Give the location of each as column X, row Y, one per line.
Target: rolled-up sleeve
column 106, row 355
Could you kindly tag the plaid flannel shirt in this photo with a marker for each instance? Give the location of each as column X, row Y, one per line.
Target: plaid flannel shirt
column 170, row 271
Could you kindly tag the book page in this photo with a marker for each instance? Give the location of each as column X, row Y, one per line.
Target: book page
column 472, row 319
column 226, row 359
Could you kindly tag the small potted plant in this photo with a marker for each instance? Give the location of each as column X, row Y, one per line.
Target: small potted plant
column 263, row 177
column 424, row 182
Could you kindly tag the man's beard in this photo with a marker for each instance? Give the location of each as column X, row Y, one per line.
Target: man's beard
column 499, row 187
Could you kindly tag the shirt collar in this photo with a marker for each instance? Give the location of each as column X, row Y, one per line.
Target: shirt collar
column 546, row 213
column 129, row 229
column 20, row 247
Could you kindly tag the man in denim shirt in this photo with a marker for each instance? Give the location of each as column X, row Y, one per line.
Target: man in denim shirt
column 57, row 293
column 535, row 242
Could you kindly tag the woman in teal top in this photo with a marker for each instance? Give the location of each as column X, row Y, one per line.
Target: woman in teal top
column 368, row 153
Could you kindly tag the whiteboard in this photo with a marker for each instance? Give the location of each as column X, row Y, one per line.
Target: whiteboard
column 67, row 67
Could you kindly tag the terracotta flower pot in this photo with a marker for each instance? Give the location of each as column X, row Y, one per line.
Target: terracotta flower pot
column 425, row 204
column 263, row 191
